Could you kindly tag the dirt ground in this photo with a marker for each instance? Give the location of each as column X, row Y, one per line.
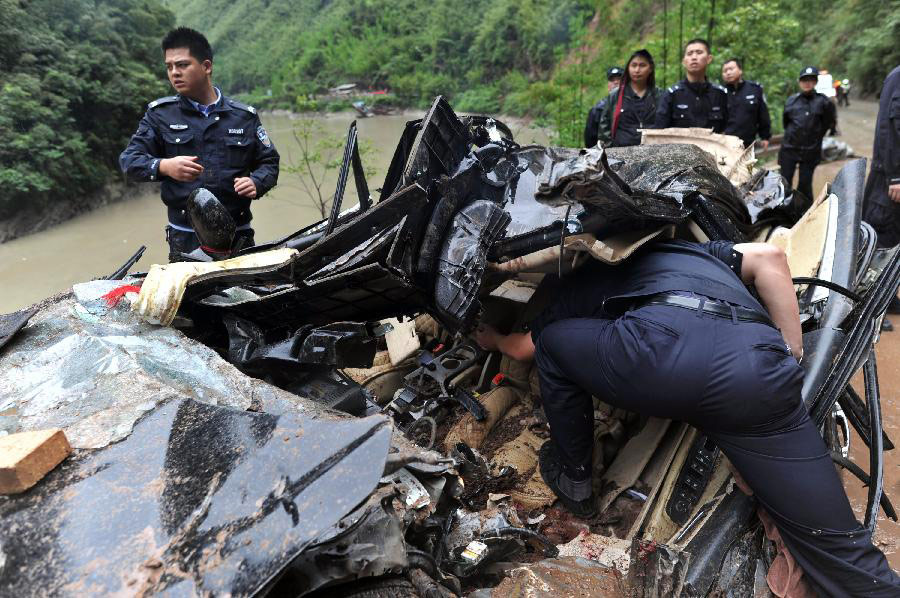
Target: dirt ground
column 856, row 124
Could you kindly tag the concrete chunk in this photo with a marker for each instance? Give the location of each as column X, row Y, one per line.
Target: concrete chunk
column 27, row 457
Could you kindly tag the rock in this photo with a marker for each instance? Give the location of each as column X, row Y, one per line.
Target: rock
column 27, row 457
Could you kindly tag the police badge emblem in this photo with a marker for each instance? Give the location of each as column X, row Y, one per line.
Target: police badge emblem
column 263, row 136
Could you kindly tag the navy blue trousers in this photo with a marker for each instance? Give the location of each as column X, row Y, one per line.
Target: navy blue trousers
column 736, row 382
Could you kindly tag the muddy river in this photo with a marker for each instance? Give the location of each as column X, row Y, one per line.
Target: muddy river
column 97, row 243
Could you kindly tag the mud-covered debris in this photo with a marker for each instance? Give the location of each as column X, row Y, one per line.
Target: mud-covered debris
column 565, row 576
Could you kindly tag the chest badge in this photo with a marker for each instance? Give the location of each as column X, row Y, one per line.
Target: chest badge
column 235, row 131
column 682, row 106
column 178, row 127
column 263, row 136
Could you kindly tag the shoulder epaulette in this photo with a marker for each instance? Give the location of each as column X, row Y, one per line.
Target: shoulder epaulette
column 759, row 85
column 160, row 101
column 719, row 87
column 793, row 97
column 674, row 88
column 242, row 106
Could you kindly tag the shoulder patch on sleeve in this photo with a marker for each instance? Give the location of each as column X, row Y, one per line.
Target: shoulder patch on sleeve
column 242, row 106
column 160, row 101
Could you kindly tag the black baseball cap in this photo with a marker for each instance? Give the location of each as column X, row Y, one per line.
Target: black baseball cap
column 809, row 71
column 614, row 72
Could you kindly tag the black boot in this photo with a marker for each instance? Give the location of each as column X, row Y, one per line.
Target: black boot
column 551, row 471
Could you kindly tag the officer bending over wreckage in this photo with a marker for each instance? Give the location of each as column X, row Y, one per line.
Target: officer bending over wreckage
column 200, row 138
column 675, row 333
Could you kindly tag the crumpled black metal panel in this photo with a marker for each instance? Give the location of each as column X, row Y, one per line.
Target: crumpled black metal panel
column 10, row 324
column 462, row 260
column 197, row 500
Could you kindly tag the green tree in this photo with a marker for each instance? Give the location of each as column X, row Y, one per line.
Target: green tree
column 77, row 74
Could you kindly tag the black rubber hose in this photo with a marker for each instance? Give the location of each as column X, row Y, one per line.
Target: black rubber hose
column 550, row 549
column 857, row 471
column 412, row 554
column 818, row 282
column 876, row 452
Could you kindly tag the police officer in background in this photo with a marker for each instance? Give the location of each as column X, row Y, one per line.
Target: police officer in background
column 882, row 196
column 881, row 206
column 633, row 106
column 674, row 332
column 748, row 114
column 613, row 79
column 200, row 138
column 808, row 115
column 694, row 101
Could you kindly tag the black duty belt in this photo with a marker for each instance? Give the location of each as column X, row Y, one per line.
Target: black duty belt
column 710, row 306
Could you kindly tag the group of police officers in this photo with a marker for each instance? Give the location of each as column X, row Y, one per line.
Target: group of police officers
column 738, row 108
column 674, row 332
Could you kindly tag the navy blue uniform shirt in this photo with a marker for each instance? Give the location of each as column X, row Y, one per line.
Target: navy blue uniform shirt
column 593, row 122
column 230, row 142
column 886, row 149
column 748, row 115
column 807, row 117
column 688, row 104
column 598, row 290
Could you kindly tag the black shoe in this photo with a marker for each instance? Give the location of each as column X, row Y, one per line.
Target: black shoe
column 551, row 469
column 886, row 326
column 894, row 306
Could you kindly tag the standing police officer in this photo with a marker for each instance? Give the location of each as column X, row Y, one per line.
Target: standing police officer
column 613, row 79
column 674, row 333
column 881, row 204
column 748, row 115
column 694, row 101
column 808, row 115
column 882, row 197
column 200, row 138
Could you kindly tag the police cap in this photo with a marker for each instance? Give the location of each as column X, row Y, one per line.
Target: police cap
column 809, row 71
column 614, row 72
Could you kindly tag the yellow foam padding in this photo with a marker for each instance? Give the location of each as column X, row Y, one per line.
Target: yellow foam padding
column 164, row 286
column 804, row 242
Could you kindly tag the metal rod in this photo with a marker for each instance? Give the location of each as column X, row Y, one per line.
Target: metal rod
column 876, row 452
column 359, row 178
column 342, row 180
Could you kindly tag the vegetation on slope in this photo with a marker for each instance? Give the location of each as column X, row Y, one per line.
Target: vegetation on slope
column 76, row 76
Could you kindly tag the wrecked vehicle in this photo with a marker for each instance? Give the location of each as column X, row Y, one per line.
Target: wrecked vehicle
column 312, row 418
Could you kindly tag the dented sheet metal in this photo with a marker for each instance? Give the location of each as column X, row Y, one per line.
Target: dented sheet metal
column 198, row 500
column 93, row 371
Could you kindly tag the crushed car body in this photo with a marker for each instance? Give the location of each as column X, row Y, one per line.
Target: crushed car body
column 309, row 415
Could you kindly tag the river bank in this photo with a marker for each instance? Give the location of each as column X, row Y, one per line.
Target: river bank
column 278, row 123
column 95, row 242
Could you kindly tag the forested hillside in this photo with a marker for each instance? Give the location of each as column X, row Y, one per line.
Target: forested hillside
column 530, row 57
column 76, row 75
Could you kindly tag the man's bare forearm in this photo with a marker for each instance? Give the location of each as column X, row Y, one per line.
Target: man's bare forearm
column 766, row 267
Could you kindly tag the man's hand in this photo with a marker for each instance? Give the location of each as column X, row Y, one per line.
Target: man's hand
column 245, row 187
column 516, row 345
column 763, row 144
column 894, row 192
column 181, row 168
